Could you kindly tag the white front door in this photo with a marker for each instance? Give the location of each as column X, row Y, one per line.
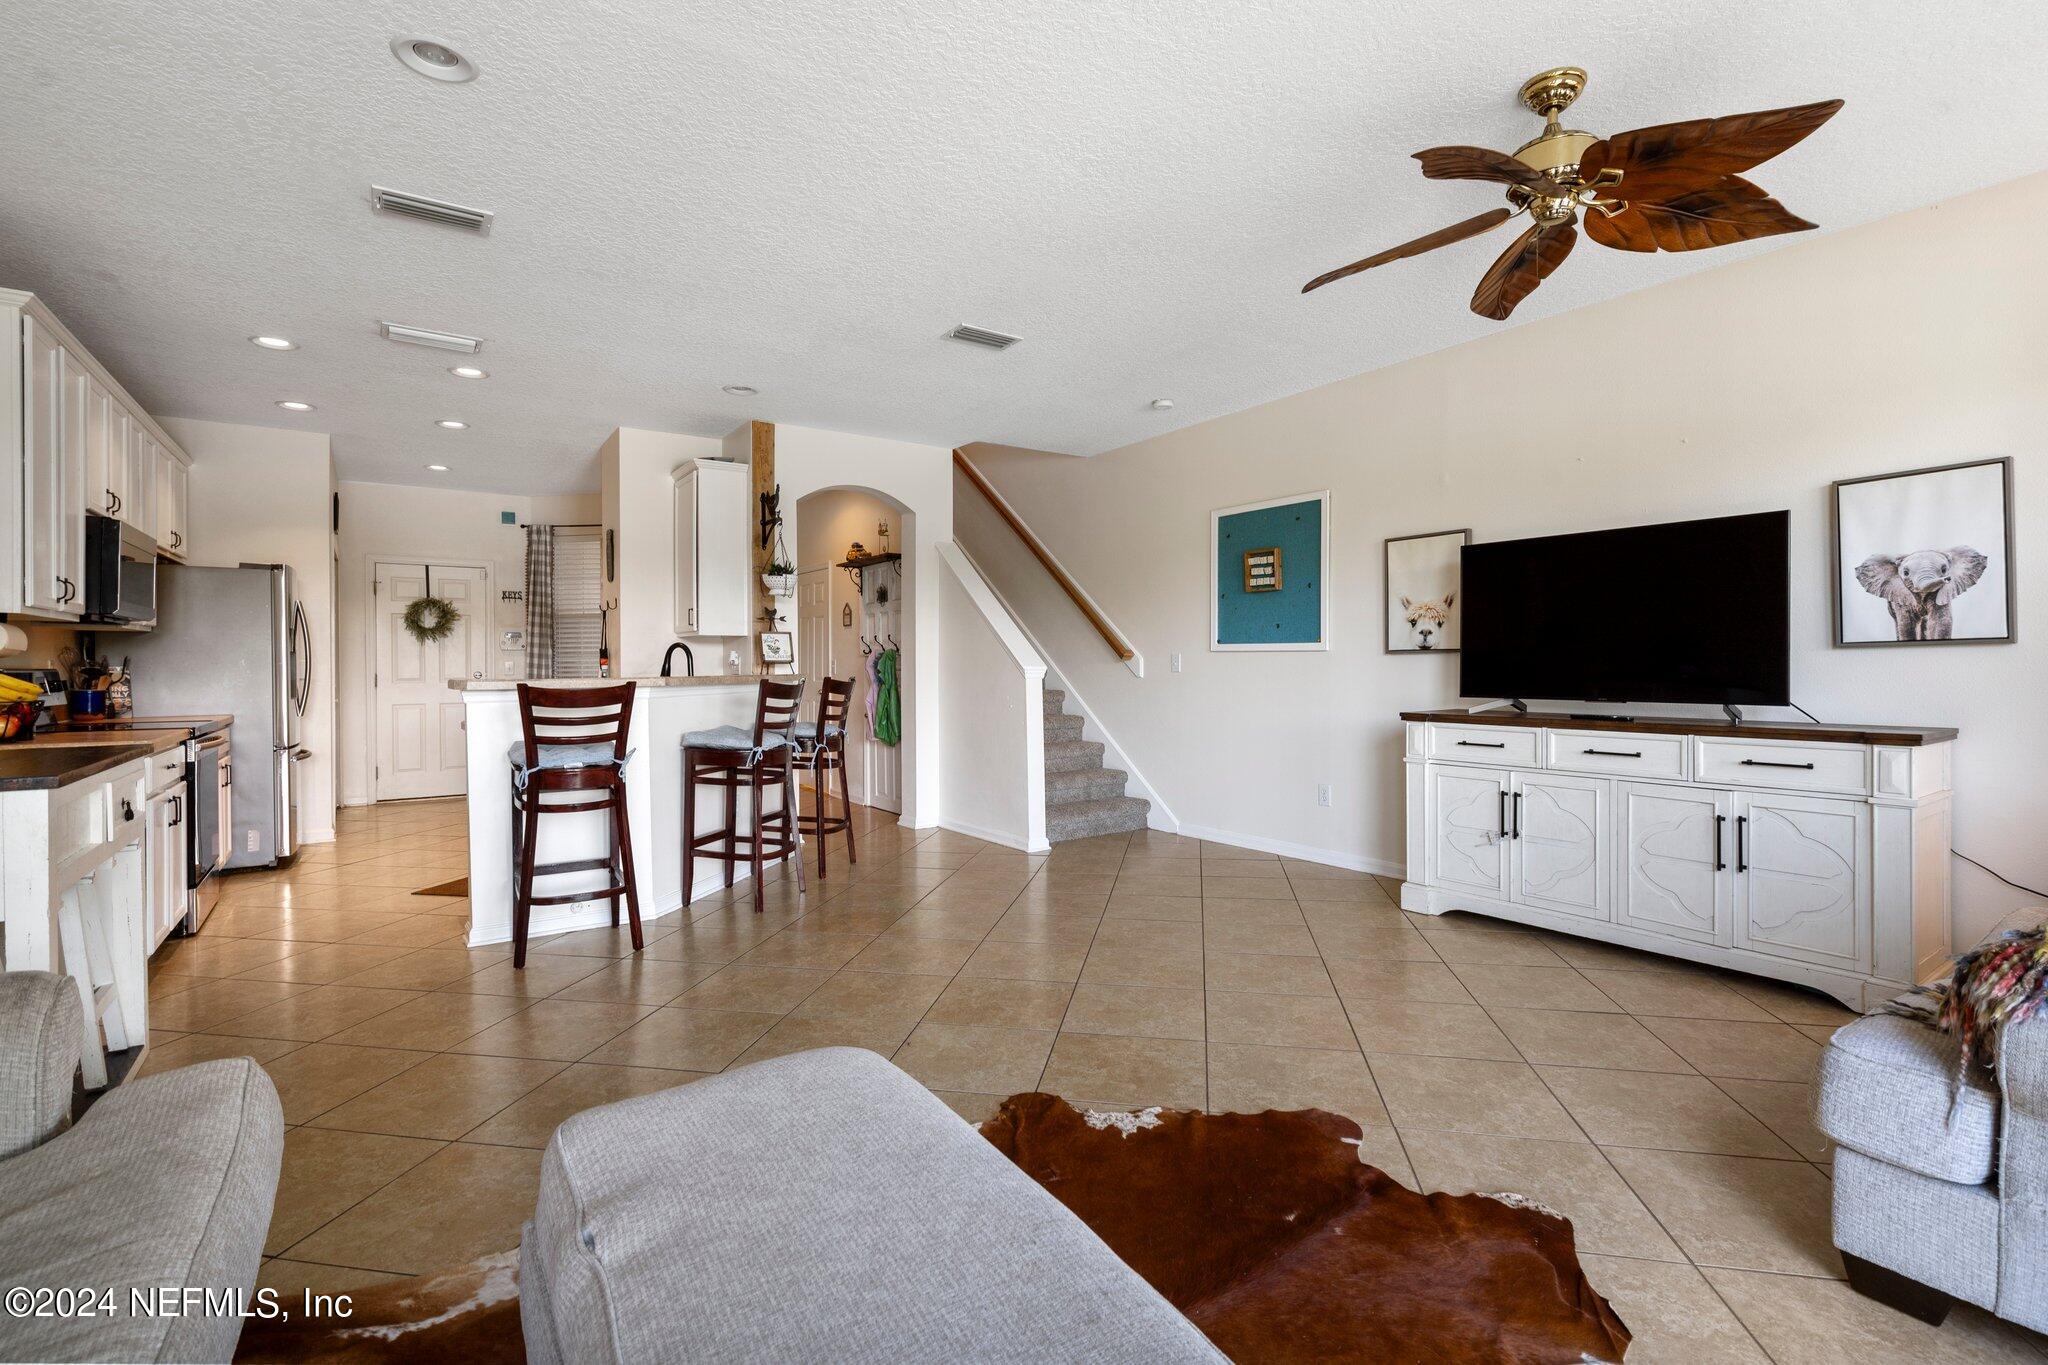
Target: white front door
column 420, row 747
column 880, row 770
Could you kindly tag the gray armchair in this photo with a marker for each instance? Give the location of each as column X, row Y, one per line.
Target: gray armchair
column 166, row 1182
column 1940, row 1195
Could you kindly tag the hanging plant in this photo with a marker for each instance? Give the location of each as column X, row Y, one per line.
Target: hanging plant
column 431, row 618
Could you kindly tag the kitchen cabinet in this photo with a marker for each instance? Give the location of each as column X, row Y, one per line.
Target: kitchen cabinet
column 72, row 442
column 163, row 860
column 1559, row 844
column 173, row 488
column 712, row 533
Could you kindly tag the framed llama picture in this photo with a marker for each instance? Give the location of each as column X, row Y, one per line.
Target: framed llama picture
column 1422, row 592
column 1925, row 556
column 1268, row 563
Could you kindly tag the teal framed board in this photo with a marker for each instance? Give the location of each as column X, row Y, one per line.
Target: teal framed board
column 1269, row 563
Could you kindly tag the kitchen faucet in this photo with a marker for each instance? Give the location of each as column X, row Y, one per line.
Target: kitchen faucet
column 669, row 658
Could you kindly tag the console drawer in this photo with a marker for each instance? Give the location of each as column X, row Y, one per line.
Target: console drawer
column 1601, row 751
column 1781, row 763
column 1497, row 745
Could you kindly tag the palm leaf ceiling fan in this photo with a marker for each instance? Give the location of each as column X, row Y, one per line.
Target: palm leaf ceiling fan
column 1672, row 187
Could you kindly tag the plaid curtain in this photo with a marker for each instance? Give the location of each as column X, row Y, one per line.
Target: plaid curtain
column 540, row 601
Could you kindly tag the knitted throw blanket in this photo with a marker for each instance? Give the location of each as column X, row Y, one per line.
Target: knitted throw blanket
column 2001, row 981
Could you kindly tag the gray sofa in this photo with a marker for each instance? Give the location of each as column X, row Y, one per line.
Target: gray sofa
column 1940, row 1194
column 821, row 1206
column 167, row 1181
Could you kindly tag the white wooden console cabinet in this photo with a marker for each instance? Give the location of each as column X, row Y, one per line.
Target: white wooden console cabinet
column 1814, row 854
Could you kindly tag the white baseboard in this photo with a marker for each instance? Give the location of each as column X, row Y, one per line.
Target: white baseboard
column 1330, row 857
column 316, row 836
column 992, row 836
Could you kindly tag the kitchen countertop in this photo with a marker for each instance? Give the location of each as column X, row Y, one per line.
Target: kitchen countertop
column 711, row 680
column 35, row 766
column 156, row 734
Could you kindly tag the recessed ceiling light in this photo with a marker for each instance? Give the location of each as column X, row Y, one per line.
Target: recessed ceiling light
column 451, row 424
column 438, row 468
column 432, row 59
column 294, row 405
column 275, row 343
column 1162, row 404
column 741, row 390
column 467, row 372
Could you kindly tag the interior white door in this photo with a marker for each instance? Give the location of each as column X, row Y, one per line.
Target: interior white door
column 420, row 747
column 1675, row 861
column 1559, row 842
column 1471, row 827
column 1801, row 890
column 881, row 767
column 813, row 636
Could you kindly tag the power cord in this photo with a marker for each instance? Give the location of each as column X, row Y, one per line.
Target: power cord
column 1804, row 712
column 2017, row 886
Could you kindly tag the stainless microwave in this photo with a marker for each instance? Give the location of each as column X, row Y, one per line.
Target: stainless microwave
column 120, row 573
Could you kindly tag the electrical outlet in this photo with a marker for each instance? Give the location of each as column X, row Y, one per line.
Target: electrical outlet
column 252, row 840
column 1323, row 794
column 1173, row 662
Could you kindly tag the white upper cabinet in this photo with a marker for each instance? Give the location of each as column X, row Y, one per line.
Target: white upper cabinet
column 172, row 502
column 711, row 533
column 81, row 446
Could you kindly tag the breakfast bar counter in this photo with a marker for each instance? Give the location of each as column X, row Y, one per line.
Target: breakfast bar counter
column 663, row 710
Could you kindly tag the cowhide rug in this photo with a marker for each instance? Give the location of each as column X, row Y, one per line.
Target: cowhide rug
column 1265, row 1229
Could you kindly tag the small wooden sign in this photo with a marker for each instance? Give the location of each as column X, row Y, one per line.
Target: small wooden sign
column 1262, row 570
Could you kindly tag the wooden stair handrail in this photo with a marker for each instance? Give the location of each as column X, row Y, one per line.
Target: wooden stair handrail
column 1044, row 556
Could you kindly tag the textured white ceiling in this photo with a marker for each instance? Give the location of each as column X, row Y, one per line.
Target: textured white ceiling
column 804, row 195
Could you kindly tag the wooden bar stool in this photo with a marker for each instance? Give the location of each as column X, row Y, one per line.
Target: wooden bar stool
column 734, row 759
column 575, row 742
column 821, row 748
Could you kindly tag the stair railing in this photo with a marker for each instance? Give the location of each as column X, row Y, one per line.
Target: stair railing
column 1082, row 602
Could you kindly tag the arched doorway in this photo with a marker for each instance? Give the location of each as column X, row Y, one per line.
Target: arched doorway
column 846, row 621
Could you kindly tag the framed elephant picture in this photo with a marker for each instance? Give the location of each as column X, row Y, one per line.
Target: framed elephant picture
column 1925, row 556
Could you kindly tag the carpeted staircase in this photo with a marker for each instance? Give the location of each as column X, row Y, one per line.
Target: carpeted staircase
column 1082, row 798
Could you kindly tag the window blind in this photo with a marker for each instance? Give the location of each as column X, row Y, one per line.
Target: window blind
column 579, row 621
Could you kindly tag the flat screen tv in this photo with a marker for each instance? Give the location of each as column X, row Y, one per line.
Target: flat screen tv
column 1689, row 611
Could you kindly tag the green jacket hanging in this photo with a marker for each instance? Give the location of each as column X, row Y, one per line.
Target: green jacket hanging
column 888, row 699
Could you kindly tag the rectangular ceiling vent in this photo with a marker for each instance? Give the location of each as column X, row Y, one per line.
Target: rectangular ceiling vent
column 432, row 210
column 982, row 336
column 420, row 336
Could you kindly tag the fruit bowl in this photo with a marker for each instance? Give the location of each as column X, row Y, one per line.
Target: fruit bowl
column 18, row 720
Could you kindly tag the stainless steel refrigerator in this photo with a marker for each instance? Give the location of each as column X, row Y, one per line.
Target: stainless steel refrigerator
column 235, row 642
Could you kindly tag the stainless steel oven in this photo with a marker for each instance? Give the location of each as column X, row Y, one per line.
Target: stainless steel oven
column 120, row 574
column 209, row 775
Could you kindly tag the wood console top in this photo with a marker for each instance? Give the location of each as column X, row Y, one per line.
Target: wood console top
column 1906, row 735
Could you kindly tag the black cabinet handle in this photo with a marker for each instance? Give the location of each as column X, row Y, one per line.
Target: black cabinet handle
column 113, row 503
column 1720, row 828
column 177, row 813
column 1503, row 814
column 1742, row 843
column 1766, row 763
column 1614, row 753
column 1480, row 744
column 127, row 810
column 1518, row 817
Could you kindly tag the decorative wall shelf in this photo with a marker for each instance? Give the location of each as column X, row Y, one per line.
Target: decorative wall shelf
column 856, row 568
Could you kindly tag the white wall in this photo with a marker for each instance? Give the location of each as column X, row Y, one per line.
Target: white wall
column 991, row 694
column 263, row 495
column 1916, row 340
column 636, row 499
column 425, row 525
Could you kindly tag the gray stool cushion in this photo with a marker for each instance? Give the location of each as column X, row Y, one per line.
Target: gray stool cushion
column 1886, row 1086
column 820, row 1206
column 564, row 756
column 807, row 732
column 730, row 737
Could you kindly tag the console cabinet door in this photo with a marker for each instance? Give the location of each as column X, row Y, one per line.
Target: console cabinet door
column 1468, row 829
column 1559, row 845
column 1802, row 889
column 1676, row 861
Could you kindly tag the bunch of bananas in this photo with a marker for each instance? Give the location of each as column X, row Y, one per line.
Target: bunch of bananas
column 14, row 689
column 19, row 702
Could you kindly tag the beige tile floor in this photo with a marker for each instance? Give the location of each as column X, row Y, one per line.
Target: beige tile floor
column 1661, row 1106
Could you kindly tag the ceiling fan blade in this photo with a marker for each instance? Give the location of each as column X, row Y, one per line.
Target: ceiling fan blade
column 1733, row 210
column 1456, row 232
column 1481, row 163
column 1667, row 160
column 1521, row 268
